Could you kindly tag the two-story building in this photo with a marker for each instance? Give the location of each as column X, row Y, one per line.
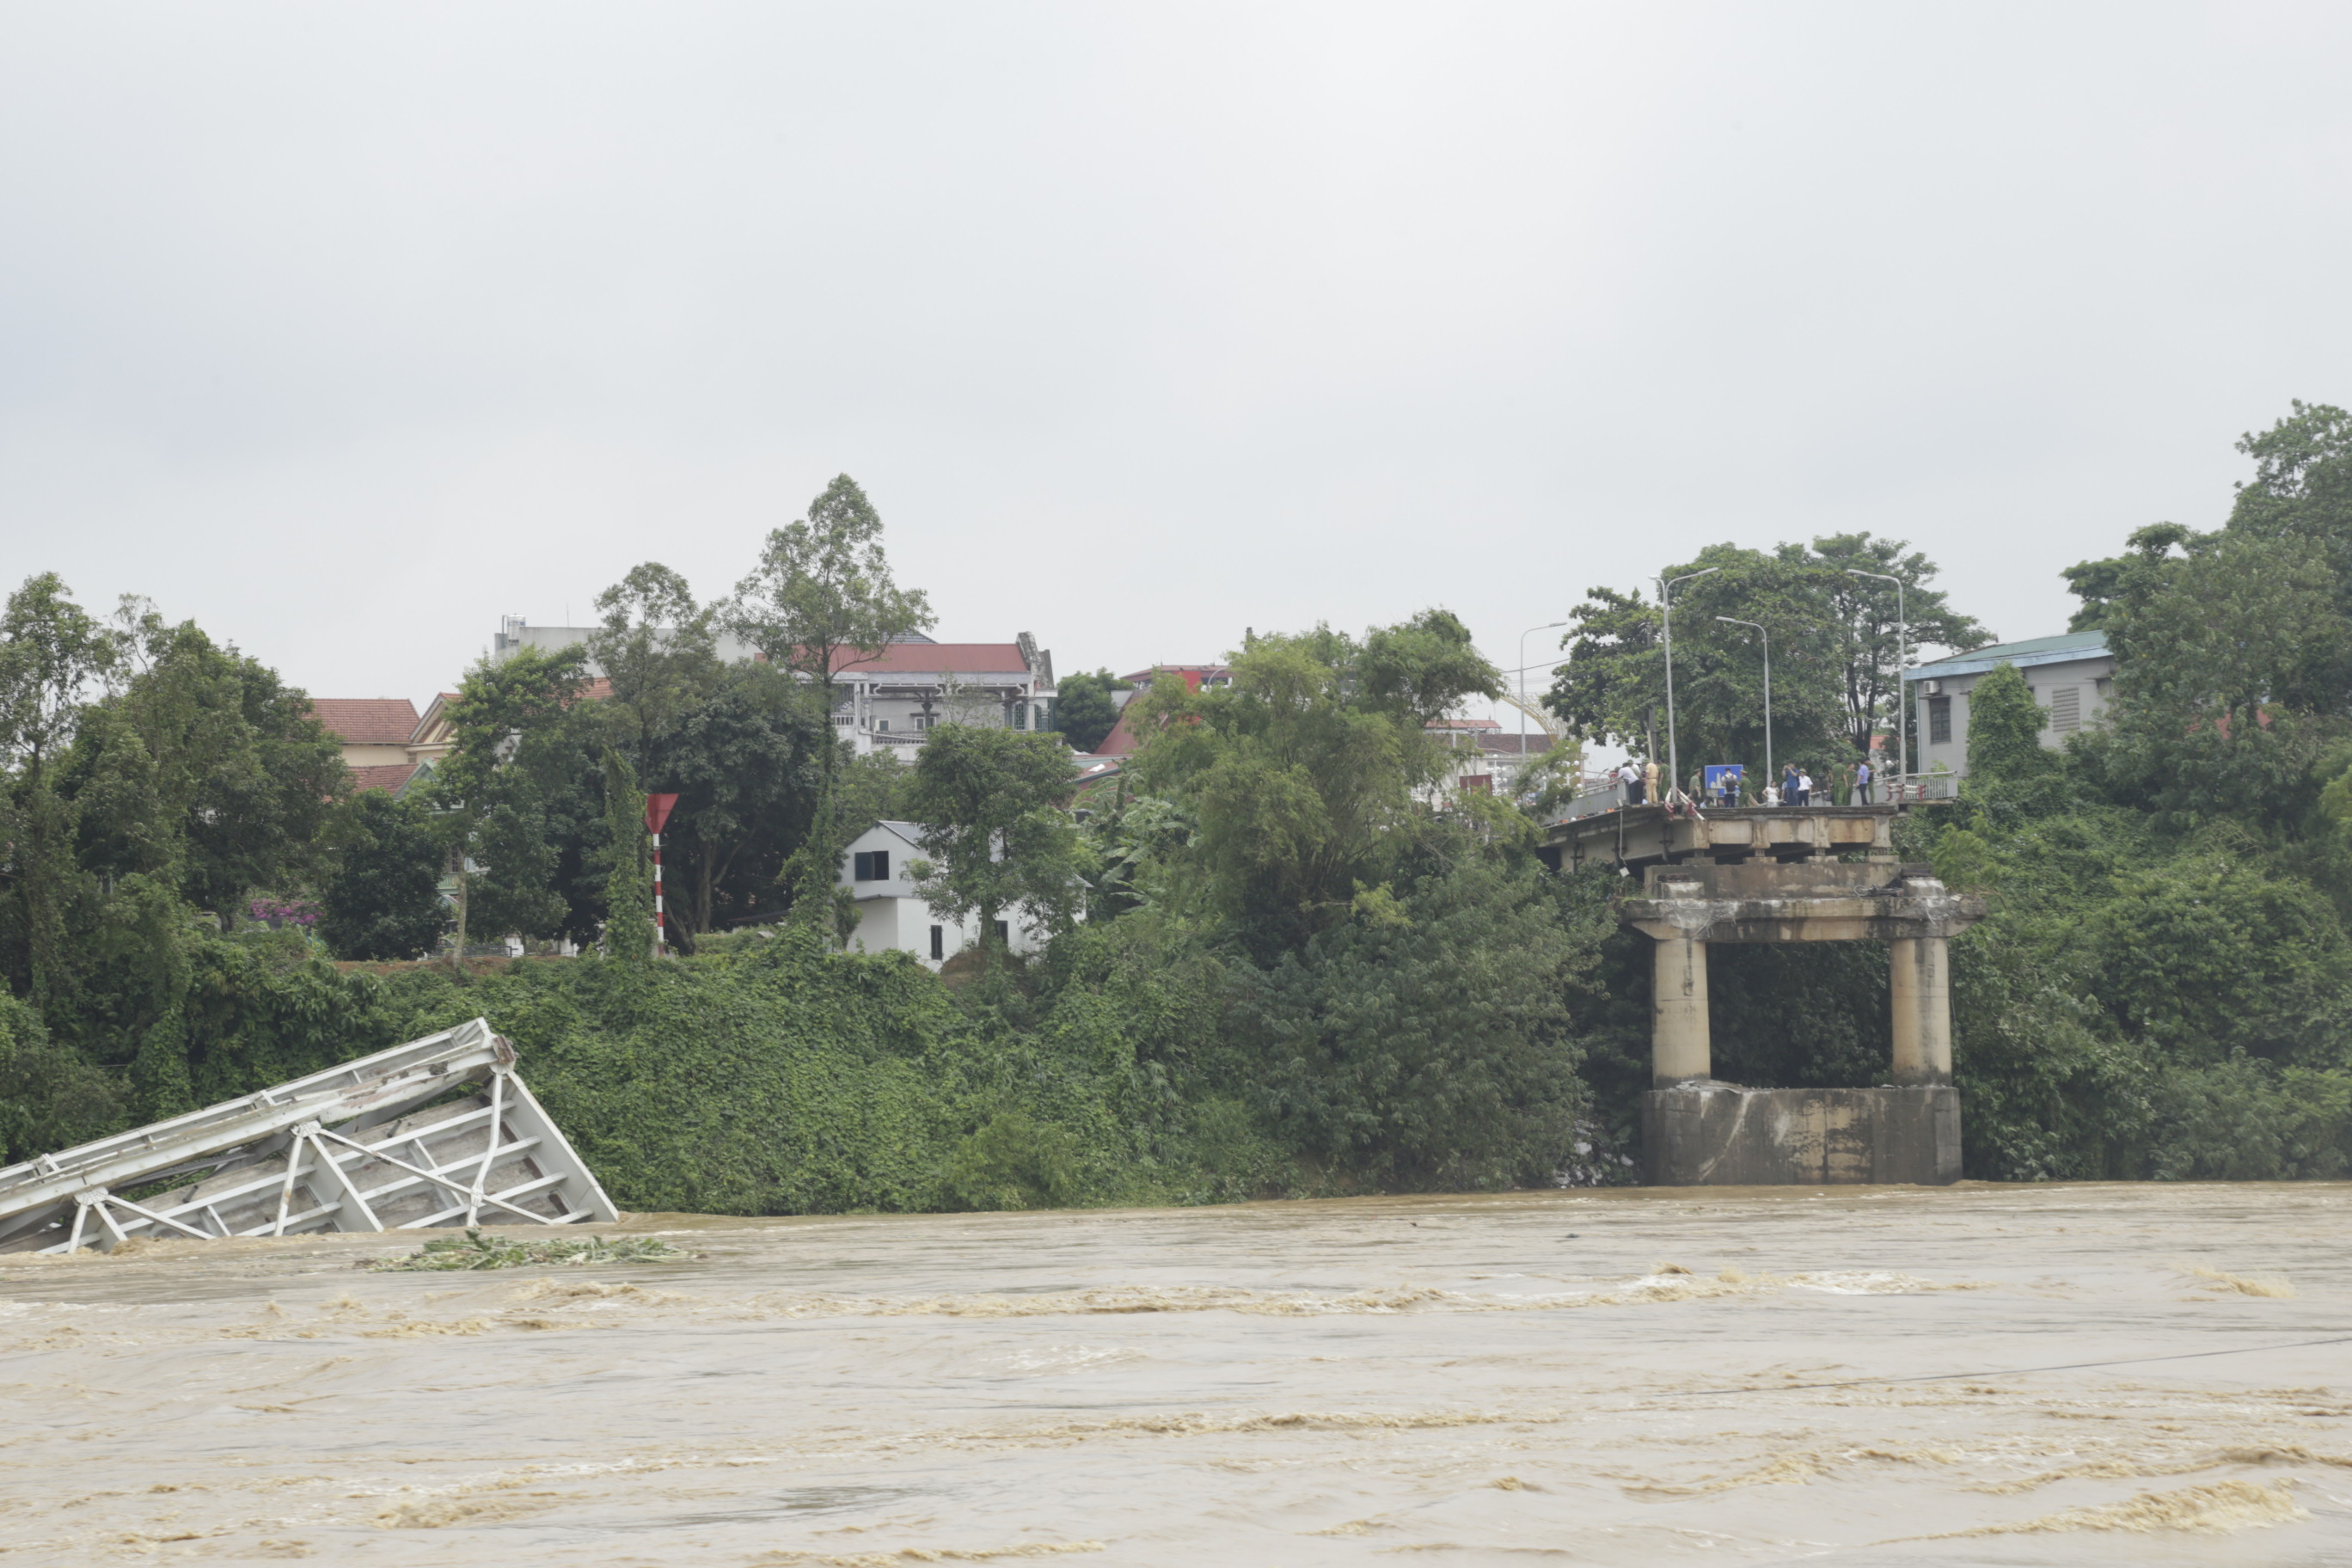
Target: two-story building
column 892, row 916
column 2069, row 676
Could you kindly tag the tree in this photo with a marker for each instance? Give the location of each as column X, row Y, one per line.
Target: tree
column 994, row 827
column 658, row 648
column 628, row 867
column 1084, row 710
column 2108, row 587
column 1302, row 777
column 748, row 765
column 1837, row 652
column 499, row 795
column 383, row 899
column 2231, row 678
column 822, row 599
column 2302, row 487
column 2005, row 728
column 207, row 767
column 51, row 652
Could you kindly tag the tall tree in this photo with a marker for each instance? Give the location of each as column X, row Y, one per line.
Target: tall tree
column 500, row 795
column 997, row 838
column 1303, row 779
column 748, row 765
column 2302, row 487
column 658, row 648
column 383, row 899
column 203, row 768
column 1836, row 650
column 823, row 600
column 51, row 653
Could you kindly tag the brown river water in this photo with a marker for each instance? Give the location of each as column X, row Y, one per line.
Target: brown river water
column 1633, row 1377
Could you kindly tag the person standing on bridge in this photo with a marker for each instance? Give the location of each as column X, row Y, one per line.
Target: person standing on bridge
column 1861, row 781
column 1804, row 787
column 1789, row 785
column 1650, row 779
column 1630, row 776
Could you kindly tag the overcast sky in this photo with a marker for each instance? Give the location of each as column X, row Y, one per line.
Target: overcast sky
column 347, row 328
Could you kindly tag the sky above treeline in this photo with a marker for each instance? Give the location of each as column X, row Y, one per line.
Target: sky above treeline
column 347, row 328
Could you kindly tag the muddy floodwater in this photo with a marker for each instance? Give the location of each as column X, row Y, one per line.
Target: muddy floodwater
column 1634, row 1377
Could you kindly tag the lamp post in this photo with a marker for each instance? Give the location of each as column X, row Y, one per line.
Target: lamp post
column 1768, row 687
column 1665, row 601
column 1903, row 695
column 1522, row 773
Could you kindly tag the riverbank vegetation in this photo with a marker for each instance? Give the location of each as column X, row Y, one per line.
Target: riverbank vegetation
column 1284, row 957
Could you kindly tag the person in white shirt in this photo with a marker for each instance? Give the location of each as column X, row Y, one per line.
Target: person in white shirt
column 1805, row 789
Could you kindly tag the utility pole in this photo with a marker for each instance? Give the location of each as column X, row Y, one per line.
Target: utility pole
column 1665, row 601
column 1768, row 688
column 1902, row 693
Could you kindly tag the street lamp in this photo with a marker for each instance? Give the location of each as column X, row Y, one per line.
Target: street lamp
column 1665, row 601
column 1734, row 620
column 1548, row 625
column 1903, row 695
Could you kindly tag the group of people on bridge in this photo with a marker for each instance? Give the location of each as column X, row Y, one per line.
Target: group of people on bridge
column 1795, row 788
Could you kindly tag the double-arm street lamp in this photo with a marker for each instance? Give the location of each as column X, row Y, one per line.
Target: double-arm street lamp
column 1902, row 695
column 1665, row 601
column 1733, row 620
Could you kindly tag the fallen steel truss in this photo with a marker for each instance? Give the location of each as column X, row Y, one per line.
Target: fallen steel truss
column 440, row 1131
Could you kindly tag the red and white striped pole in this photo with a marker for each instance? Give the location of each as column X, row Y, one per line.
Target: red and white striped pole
column 657, row 810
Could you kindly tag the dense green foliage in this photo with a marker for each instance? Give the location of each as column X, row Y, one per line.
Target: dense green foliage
column 383, row 897
column 1305, row 964
column 1836, row 648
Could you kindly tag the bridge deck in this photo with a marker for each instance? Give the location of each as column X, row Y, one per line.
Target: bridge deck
column 1640, row 835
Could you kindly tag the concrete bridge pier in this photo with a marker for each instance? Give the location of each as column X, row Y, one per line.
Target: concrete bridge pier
column 1697, row 1131
column 1681, row 1049
column 1922, row 988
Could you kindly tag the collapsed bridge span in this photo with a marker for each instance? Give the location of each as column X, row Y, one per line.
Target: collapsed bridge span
column 438, row 1131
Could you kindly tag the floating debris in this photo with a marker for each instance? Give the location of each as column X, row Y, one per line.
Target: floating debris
column 475, row 1250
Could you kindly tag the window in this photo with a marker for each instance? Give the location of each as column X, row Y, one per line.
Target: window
column 1480, row 783
column 872, row 865
column 881, row 723
column 1004, row 932
column 938, row 943
column 1939, row 720
column 2065, row 709
column 1021, row 715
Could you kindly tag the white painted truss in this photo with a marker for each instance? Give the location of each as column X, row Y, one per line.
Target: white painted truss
column 440, row 1131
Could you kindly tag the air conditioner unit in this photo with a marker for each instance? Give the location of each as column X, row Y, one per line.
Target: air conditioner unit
column 1934, row 688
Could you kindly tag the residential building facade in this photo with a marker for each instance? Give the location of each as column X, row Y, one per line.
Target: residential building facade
column 893, row 917
column 2071, row 678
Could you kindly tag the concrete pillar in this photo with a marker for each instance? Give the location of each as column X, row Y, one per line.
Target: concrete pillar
column 1679, row 1046
column 1922, row 991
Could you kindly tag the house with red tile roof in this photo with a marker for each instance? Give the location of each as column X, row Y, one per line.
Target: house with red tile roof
column 375, row 731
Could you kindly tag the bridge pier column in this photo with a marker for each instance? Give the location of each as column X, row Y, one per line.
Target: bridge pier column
column 1922, row 990
column 1680, row 1047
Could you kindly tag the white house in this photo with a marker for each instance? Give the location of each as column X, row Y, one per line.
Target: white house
column 890, row 914
column 2069, row 677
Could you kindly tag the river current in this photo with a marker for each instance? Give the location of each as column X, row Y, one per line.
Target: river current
column 1973, row 1375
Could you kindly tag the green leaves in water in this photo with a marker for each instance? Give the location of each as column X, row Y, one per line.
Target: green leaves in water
column 475, row 1250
